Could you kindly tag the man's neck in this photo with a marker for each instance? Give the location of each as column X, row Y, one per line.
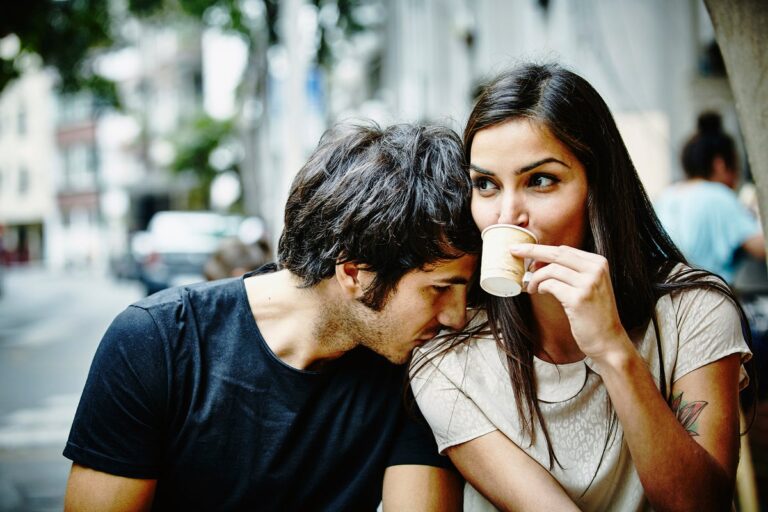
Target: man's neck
column 293, row 320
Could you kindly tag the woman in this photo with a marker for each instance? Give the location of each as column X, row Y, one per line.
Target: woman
column 613, row 383
column 702, row 214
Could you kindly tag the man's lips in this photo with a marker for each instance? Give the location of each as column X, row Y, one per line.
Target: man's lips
column 427, row 337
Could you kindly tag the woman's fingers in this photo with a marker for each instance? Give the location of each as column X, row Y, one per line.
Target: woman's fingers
column 562, row 255
column 581, row 282
column 557, row 272
column 564, row 293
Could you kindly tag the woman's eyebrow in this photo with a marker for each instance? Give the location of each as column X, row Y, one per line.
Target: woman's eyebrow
column 481, row 170
column 521, row 170
column 543, row 161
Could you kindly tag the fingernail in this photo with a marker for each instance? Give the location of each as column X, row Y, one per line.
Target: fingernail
column 527, row 279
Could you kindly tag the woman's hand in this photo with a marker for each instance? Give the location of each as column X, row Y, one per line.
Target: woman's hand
column 581, row 282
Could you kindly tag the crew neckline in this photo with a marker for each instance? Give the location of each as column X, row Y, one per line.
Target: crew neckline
column 561, row 382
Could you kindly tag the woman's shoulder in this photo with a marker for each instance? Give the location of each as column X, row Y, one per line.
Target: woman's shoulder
column 695, row 285
column 702, row 308
column 457, row 354
column 698, row 324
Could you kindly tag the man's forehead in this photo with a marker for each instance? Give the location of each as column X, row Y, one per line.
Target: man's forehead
column 457, row 271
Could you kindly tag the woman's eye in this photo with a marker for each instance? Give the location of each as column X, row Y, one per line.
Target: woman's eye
column 482, row 183
column 542, row 181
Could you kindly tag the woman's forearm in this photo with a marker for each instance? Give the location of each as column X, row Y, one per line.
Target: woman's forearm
column 676, row 471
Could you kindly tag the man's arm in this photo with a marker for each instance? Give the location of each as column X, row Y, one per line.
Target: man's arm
column 118, row 423
column 417, row 488
column 88, row 489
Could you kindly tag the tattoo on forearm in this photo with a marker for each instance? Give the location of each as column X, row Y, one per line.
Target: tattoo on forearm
column 687, row 412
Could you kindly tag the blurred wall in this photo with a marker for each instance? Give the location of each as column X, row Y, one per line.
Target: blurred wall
column 644, row 57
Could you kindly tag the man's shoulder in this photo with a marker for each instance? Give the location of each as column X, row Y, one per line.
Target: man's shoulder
column 200, row 303
column 172, row 298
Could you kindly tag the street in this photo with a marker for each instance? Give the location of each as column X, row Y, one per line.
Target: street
column 50, row 325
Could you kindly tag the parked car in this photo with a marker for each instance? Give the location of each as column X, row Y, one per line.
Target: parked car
column 177, row 244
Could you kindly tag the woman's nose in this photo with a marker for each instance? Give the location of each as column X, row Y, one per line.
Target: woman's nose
column 513, row 211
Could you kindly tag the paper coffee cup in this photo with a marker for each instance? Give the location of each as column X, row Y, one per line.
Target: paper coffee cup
column 501, row 274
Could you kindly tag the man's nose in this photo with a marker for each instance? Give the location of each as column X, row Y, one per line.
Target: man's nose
column 454, row 311
column 513, row 210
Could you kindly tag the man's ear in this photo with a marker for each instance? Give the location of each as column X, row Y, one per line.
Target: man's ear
column 352, row 279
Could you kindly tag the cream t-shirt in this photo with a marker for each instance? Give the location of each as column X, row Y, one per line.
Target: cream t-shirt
column 466, row 393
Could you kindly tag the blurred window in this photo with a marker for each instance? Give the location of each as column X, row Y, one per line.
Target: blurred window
column 23, row 180
column 80, row 166
column 197, row 83
column 93, row 160
column 75, row 108
column 22, row 120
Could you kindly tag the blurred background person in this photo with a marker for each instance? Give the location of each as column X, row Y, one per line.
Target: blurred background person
column 234, row 258
column 703, row 214
column 716, row 230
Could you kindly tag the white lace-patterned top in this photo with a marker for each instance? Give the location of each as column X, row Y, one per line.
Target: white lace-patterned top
column 466, row 393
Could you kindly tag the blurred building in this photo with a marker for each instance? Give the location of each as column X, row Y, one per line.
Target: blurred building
column 113, row 170
column 159, row 76
column 76, row 177
column 74, row 227
column 27, row 152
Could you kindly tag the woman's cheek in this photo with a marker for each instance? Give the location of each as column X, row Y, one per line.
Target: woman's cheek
column 483, row 214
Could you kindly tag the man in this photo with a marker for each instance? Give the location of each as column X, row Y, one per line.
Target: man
column 283, row 390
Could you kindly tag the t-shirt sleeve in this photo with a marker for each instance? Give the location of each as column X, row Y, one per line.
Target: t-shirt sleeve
column 415, row 444
column 118, row 424
column 452, row 415
column 709, row 328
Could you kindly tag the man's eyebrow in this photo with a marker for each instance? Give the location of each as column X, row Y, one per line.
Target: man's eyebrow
column 521, row 170
column 453, row 280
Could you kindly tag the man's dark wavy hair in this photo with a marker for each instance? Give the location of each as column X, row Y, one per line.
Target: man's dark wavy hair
column 393, row 200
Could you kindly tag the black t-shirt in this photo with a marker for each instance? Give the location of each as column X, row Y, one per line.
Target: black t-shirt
column 184, row 389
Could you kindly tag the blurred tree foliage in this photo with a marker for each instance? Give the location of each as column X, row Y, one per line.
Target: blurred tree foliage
column 194, row 146
column 62, row 34
column 65, row 34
